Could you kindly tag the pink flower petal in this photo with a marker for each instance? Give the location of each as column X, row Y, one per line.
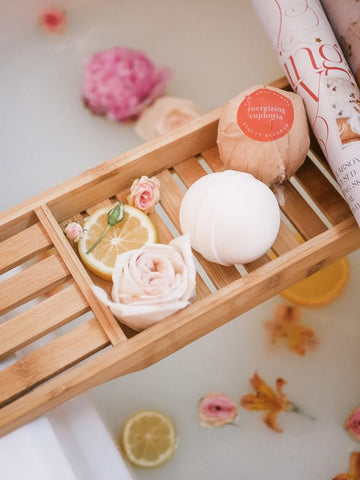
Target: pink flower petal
column 352, row 423
column 53, row 20
column 216, row 410
column 121, row 82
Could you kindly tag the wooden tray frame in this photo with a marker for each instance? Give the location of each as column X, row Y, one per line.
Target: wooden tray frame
column 97, row 349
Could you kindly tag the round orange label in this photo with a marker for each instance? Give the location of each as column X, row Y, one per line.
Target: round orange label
column 265, row 115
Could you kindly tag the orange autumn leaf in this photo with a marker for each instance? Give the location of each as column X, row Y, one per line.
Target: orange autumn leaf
column 266, row 399
column 286, row 325
column 354, row 468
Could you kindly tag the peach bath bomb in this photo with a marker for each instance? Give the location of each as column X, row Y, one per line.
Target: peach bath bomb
column 231, row 217
column 264, row 131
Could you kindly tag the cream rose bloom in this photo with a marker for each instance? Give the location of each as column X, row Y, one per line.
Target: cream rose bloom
column 151, row 283
column 164, row 115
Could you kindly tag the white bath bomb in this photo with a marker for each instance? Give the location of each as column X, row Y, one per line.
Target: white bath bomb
column 231, row 217
column 264, row 131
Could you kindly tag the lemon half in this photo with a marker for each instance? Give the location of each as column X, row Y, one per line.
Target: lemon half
column 134, row 231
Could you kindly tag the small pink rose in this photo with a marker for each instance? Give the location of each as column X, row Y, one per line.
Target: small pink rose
column 164, row 115
column 73, row 231
column 216, row 410
column 144, row 193
column 53, row 20
column 352, row 424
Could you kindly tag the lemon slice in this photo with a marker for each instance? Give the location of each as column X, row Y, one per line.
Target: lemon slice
column 322, row 287
column 148, row 438
column 134, row 231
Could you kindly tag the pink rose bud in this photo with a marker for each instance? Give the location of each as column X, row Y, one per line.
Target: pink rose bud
column 216, row 410
column 73, row 231
column 352, row 423
column 144, row 193
column 53, row 20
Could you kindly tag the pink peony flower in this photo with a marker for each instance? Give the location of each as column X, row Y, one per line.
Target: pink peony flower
column 121, row 82
column 352, row 423
column 73, row 231
column 53, row 20
column 151, row 283
column 164, row 115
column 216, row 410
column 144, row 193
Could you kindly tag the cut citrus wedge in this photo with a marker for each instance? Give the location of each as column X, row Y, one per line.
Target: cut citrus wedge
column 134, row 231
column 322, row 287
column 148, row 438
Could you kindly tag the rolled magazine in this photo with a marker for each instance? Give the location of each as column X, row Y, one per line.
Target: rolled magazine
column 317, row 70
column 344, row 17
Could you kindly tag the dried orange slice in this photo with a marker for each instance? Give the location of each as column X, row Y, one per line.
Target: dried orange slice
column 322, row 287
column 148, row 438
column 134, row 231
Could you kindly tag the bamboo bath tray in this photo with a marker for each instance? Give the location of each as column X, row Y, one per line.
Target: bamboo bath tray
column 95, row 348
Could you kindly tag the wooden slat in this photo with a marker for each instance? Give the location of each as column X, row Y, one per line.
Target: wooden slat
column 255, row 264
column 285, row 241
column 186, row 325
column 43, row 318
column 212, row 158
column 32, row 282
column 324, row 195
column 23, row 246
column 51, row 359
column 171, row 200
column 17, row 224
column 80, row 276
column 189, row 171
column 299, row 213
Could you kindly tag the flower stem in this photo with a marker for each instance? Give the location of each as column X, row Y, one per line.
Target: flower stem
column 114, row 216
column 294, row 408
column 107, row 228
